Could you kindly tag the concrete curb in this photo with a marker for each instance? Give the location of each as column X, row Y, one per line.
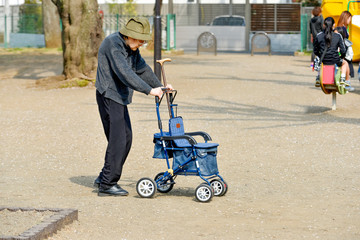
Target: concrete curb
column 47, row 227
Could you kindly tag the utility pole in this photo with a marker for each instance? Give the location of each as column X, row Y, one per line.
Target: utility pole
column 198, row 3
column 7, row 24
column 231, row 8
column 170, row 7
column 157, row 39
column 248, row 25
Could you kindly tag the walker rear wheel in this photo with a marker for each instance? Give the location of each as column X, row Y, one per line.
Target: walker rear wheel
column 204, row 193
column 146, row 187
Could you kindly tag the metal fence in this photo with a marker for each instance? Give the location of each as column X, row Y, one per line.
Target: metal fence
column 280, row 18
column 306, row 16
column 275, row 18
column 26, row 24
column 186, row 14
column 114, row 22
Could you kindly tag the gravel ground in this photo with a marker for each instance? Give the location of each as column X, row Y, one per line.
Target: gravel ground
column 291, row 163
column 23, row 220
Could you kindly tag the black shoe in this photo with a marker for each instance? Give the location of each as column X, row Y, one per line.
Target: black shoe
column 97, row 182
column 115, row 190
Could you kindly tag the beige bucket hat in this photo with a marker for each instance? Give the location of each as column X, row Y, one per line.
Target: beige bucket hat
column 137, row 28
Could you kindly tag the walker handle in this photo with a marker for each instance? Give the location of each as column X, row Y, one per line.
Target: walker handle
column 161, row 61
column 165, row 89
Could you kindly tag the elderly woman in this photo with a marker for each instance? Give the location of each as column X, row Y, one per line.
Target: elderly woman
column 121, row 70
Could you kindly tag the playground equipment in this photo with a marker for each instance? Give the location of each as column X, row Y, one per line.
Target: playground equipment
column 329, row 75
column 330, row 82
column 334, row 8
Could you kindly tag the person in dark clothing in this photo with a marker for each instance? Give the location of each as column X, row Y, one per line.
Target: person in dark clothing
column 121, row 70
column 315, row 25
column 333, row 44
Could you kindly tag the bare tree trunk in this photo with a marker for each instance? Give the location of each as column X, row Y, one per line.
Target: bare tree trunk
column 51, row 22
column 81, row 37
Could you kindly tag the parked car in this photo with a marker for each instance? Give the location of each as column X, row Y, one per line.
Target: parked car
column 228, row 20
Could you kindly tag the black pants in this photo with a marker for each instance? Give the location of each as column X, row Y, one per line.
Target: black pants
column 117, row 127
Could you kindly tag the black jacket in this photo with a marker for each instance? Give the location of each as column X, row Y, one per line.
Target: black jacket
column 121, row 71
column 332, row 53
column 316, row 25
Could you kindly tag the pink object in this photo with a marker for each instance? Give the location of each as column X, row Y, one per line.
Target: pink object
column 328, row 74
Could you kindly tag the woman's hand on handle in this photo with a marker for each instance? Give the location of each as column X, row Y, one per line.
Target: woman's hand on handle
column 157, row 92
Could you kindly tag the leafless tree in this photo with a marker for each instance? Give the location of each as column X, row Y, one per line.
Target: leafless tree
column 82, row 35
column 51, row 23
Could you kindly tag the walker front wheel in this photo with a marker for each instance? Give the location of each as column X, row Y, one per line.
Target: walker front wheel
column 164, row 185
column 204, row 193
column 146, row 187
column 218, row 186
column 226, row 187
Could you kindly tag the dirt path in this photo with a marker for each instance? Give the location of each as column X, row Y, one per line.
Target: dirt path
column 292, row 164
